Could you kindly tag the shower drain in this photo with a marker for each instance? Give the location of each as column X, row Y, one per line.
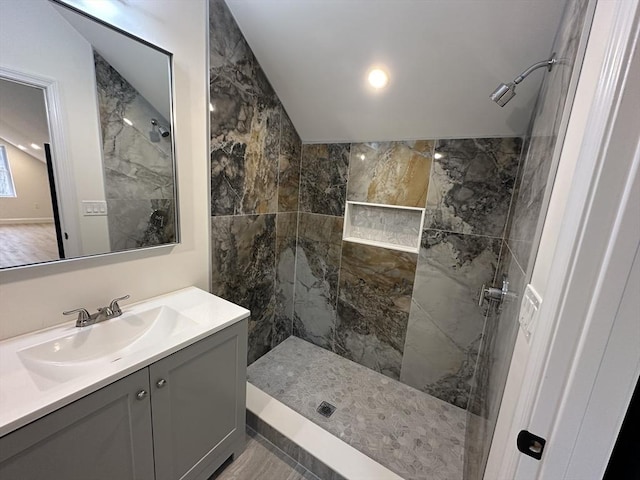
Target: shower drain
column 326, row 409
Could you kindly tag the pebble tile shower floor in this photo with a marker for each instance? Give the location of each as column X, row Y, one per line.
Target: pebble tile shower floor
column 410, row 432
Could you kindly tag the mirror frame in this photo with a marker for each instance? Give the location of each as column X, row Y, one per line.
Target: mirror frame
column 64, row 178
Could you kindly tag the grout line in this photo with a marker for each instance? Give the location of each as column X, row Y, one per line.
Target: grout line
column 322, row 214
column 295, row 273
column 278, row 162
column 468, row 234
column 295, row 250
column 474, row 378
column 276, row 255
column 247, row 214
column 404, row 139
column 516, row 186
column 515, row 259
column 503, row 245
column 335, row 311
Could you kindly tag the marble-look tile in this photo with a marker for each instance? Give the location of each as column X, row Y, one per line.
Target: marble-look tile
column 286, row 231
column 138, row 166
column 244, row 173
column 245, row 123
column 446, row 322
column 136, row 223
column 471, row 185
column 243, row 271
column 261, row 459
column 391, row 173
column 323, row 178
column 386, row 225
column 135, row 167
column 289, row 166
column 317, row 269
column 237, row 82
column 373, row 306
column 494, row 359
column 410, row 432
column 527, row 214
column 537, row 170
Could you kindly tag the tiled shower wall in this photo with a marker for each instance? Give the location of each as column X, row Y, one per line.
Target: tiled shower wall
column 255, row 169
column 528, row 211
column 277, row 225
column 411, row 316
column 138, row 170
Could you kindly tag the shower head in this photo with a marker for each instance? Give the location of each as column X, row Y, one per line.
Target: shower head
column 163, row 131
column 506, row 91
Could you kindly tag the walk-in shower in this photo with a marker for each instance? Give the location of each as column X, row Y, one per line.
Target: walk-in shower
column 361, row 261
column 506, row 91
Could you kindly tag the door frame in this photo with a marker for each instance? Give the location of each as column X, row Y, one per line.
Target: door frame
column 63, row 174
column 584, row 349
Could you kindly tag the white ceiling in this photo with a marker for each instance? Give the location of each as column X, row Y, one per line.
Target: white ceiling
column 444, row 58
column 145, row 68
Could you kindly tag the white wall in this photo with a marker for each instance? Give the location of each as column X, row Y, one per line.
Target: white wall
column 31, row 181
column 36, row 40
column 34, row 297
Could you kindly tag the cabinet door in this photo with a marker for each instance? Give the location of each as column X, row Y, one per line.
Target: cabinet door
column 105, row 435
column 198, row 405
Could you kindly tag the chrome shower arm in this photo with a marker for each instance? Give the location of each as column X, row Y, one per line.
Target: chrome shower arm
column 546, row 63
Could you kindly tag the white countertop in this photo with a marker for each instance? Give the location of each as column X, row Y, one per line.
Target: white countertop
column 23, row 399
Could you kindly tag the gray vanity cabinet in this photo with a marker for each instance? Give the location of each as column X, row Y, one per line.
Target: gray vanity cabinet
column 197, row 399
column 178, row 419
column 103, row 436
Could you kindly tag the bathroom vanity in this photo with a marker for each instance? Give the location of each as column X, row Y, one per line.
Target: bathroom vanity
column 167, row 404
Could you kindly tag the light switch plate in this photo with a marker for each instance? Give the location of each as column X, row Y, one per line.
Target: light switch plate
column 94, row 208
column 528, row 317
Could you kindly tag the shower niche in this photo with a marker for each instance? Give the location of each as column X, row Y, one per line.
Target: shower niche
column 388, row 226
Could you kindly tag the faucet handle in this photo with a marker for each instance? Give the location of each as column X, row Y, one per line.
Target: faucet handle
column 114, row 307
column 83, row 316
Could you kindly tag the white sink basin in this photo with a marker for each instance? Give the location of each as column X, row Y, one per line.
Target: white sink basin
column 70, row 356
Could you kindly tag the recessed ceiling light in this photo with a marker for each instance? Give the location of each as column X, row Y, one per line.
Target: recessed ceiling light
column 22, row 147
column 438, row 155
column 35, row 147
column 127, row 121
column 378, row 78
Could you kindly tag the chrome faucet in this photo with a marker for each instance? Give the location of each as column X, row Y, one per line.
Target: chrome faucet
column 104, row 313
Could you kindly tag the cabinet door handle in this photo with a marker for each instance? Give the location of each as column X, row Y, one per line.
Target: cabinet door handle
column 141, row 395
column 161, row 383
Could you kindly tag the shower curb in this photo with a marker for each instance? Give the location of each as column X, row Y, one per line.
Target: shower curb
column 310, row 445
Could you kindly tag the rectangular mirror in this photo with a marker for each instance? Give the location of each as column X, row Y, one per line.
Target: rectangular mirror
column 87, row 163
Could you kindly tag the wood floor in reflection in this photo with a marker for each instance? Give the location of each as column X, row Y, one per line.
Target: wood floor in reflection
column 28, row 243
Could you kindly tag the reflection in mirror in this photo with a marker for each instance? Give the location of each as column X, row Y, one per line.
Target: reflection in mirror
column 95, row 174
column 27, row 224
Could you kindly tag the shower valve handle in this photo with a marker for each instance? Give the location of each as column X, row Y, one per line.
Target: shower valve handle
column 493, row 293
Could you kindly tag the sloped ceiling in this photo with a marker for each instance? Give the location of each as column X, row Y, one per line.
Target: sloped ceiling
column 444, row 58
column 23, row 117
column 145, row 68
